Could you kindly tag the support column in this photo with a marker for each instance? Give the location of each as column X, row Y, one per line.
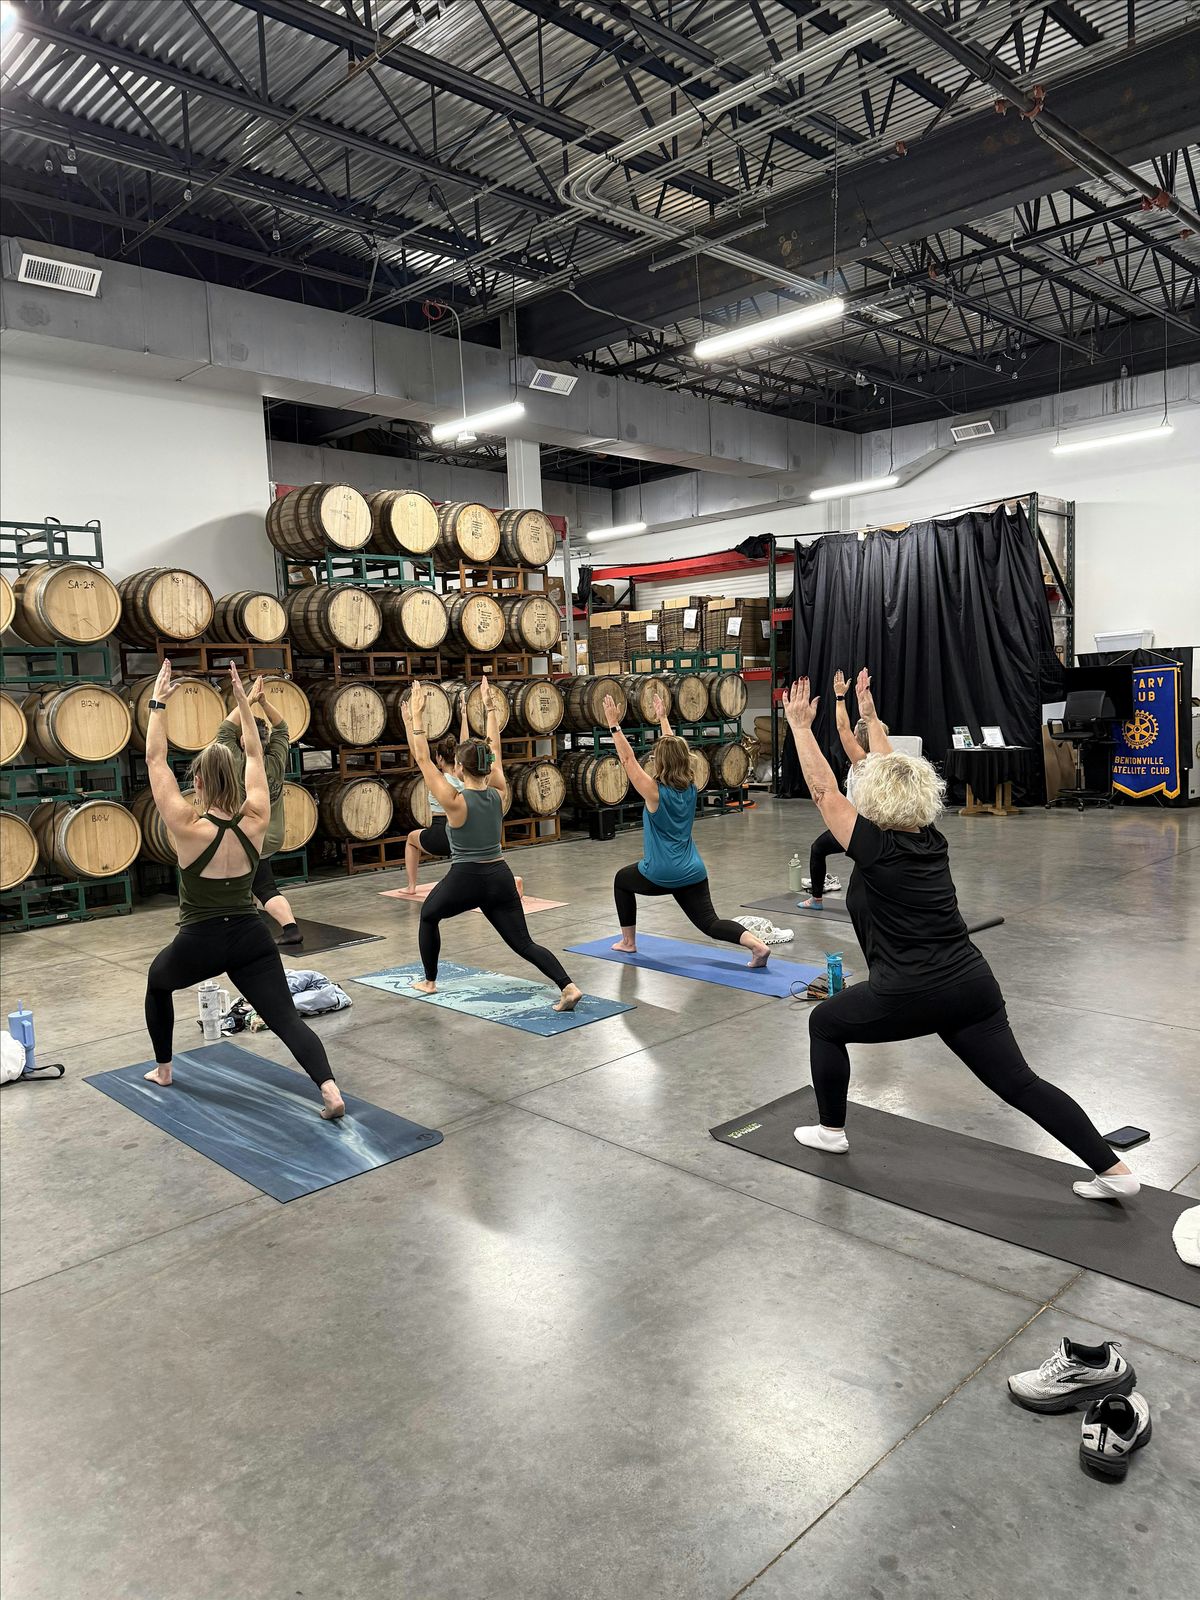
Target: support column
column 524, row 459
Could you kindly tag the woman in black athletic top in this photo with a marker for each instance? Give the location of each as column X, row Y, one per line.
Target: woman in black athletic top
column 219, row 928
column 854, row 744
column 479, row 878
column 925, row 974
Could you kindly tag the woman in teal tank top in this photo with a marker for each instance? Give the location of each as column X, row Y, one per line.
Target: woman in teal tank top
column 218, row 851
column 670, row 862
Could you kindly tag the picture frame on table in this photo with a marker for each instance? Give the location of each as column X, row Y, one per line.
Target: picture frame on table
column 993, row 738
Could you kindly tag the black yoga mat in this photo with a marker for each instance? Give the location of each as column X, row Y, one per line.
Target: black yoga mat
column 319, row 936
column 784, row 905
column 1007, row 1194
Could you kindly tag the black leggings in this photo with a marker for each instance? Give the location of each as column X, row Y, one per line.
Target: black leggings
column 490, row 887
column 969, row 1016
column 694, row 900
column 822, row 847
column 243, row 947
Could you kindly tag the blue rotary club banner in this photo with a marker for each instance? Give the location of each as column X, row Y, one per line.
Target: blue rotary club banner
column 1146, row 760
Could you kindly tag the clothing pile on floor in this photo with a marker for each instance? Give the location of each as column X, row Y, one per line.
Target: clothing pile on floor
column 313, row 993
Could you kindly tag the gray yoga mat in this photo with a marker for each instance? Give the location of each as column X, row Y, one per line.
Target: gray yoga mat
column 319, row 936
column 1006, row 1194
column 784, row 905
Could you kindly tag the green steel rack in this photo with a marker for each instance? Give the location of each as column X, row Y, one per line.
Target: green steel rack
column 363, row 571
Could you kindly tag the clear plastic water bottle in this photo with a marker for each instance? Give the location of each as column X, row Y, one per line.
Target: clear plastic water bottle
column 833, row 971
column 20, row 1026
column 796, row 874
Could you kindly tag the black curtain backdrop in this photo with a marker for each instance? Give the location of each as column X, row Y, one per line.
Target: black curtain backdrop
column 950, row 617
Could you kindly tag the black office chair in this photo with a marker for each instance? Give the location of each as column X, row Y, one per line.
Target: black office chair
column 1087, row 721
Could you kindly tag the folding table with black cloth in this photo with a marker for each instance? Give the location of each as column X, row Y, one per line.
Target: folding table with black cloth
column 990, row 769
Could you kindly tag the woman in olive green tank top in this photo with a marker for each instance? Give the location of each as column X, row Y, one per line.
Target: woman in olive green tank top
column 218, row 852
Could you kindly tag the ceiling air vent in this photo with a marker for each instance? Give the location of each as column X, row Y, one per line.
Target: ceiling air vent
column 963, row 431
column 552, row 382
column 68, row 271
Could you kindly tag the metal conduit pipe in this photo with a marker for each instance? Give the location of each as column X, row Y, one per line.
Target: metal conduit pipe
column 1056, row 133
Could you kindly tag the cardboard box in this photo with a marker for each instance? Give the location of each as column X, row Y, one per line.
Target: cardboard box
column 556, row 589
column 638, row 628
column 680, row 624
column 604, row 594
column 607, row 669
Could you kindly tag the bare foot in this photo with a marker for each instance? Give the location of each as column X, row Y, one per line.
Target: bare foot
column 407, row 892
column 629, row 948
column 334, row 1106
column 569, row 998
column 424, row 986
column 759, row 958
column 160, row 1075
column 520, row 882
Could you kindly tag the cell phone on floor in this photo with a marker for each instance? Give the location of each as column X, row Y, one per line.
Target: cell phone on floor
column 1126, row 1138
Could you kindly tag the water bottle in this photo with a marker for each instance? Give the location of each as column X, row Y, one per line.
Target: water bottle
column 796, row 874
column 214, row 1003
column 833, row 971
column 20, row 1026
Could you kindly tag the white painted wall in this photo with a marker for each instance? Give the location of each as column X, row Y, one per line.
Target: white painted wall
column 176, row 475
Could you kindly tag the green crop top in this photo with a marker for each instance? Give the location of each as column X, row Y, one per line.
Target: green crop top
column 200, row 898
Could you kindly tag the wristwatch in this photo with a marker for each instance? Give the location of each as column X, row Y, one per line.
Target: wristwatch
column 839, row 697
column 157, row 705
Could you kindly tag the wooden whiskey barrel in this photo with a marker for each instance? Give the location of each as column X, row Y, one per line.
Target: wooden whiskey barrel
column 412, row 619
column 527, row 538
column 249, row 615
column 305, row 523
column 467, row 532
column 410, row 801
column 690, row 695
column 332, row 616
column 730, row 764
column 531, row 624
column 299, row 816
column 403, row 522
column 73, row 603
column 13, row 729
column 477, row 625
column 157, row 844
column 194, row 713
column 536, row 704
column 345, row 711
column 594, row 780
column 538, row 788
column 727, row 694
column 289, row 699
column 584, row 697
column 76, row 722
column 476, row 717
column 7, row 604
column 640, row 690
column 18, row 850
column 163, row 603
column 88, row 839
column 352, row 808
column 701, row 771
column 439, row 712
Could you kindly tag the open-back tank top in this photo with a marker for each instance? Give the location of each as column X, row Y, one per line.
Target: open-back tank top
column 200, row 898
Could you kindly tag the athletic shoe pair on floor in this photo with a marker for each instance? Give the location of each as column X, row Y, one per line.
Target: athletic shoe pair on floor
column 1117, row 1419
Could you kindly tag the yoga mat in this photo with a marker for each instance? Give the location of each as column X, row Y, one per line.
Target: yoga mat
column 262, row 1121
column 706, row 963
column 784, row 905
column 495, row 997
column 1006, row 1194
column 529, row 903
column 319, row 936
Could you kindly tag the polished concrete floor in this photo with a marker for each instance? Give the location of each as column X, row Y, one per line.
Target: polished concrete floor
column 581, row 1351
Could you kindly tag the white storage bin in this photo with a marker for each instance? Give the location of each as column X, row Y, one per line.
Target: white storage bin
column 1136, row 640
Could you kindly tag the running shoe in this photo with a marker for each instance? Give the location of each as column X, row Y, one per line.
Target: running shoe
column 832, row 884
column 763, row 928
column 1074, row 1376
column 1113, row 1428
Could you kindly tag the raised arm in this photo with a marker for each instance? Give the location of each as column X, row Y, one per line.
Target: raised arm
column 661, row 717
column 641, row 780
column 880, row 743
column 853, row 750
column 258, row 796
column 464, row 722
column 838, row 814
column 488, row 694
column 444, row 792
column 176, row 812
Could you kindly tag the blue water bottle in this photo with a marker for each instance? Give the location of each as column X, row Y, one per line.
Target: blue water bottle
column 833, row 971
column 20, row 1025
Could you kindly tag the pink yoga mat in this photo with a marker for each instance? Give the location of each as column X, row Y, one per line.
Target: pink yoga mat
column 530, row 902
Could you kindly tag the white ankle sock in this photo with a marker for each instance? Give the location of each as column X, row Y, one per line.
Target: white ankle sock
column 832, row 1140
column 1120, row 1185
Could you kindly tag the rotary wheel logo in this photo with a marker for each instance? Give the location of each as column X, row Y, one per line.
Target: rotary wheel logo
column 1142, row 731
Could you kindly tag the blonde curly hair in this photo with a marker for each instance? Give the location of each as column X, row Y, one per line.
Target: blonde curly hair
column 896, row 791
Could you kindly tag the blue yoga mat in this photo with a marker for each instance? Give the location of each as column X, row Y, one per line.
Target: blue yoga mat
column 262, row 1121
column 494, row 997
column 706, row 963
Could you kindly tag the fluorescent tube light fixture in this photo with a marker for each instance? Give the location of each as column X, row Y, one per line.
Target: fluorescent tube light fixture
column 768, row 331
column 863, row 486
column 1068, row 447
column 493, row 421
column 624, row 531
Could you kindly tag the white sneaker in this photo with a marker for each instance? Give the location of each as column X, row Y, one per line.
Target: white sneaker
column 832, row 1141
column 1074, row 1376
column 1113, row 1428
column 763, row 928
column 830, row 883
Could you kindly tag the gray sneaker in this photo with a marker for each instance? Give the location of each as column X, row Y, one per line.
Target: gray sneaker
column 1113, row 1428
column 1074, row 1376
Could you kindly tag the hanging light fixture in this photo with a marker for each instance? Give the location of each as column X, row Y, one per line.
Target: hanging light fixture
column 769, row 330
column 1101, row 441
column 624, row 531
column 493, row 421
column 863, row 486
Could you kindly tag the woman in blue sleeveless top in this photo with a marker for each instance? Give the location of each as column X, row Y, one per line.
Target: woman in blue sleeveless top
column 670, row 862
